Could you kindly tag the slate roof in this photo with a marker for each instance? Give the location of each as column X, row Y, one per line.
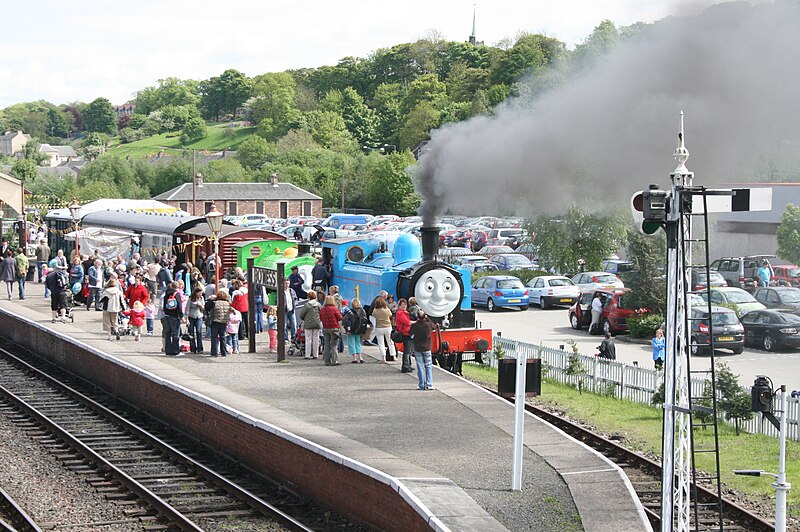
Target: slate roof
column 8, row 135
column 238, row 192
column 63, row 151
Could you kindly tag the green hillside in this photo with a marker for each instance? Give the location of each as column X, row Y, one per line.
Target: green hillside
column 220, row 137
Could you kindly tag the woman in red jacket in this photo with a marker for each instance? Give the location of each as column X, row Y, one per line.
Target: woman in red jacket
column 403, row 325
column 331, row 319
column 241, row 303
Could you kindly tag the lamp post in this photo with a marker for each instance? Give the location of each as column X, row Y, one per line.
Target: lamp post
column 214, row 219
column 75, row 214
column 197, row 182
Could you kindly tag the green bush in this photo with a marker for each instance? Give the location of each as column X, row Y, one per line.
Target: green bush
column 644, row 326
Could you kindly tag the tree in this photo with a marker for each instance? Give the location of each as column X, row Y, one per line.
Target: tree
column 530, row 53
column 170, row 91
column 422, row 119
column 647, row 282
column 599, row 43
column 94, row 145
column 359, row 119
column 224, row 93
column 57, row 126
column 788, row 234
column 565, row 240
column 25, row 169
column 98, row 117
column 253, row 152
column 327, row 128
column 273, row 100
column 195, row 129
column 391, row 188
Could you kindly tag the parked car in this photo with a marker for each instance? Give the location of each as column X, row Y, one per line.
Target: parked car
column 597, row 281
column 452, row 255
column 615, row 310
column 513, row 261
column 780, row 297
column 771, row 329
column 496, row 291
column 549, row 290
column 501, row 237
column 786, row 275
column 701, row 281
column 530, row 251
column 617, row 266
column 740, row 271
column 254, row 219
column 495, row 250
column 730, row 294
column 725, row 325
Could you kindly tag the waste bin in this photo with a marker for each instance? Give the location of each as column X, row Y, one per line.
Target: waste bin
column 507, row 377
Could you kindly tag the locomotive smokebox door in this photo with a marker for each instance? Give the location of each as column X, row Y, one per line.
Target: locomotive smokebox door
column 507, row 377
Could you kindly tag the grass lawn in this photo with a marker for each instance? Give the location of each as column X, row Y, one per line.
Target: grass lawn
column 640, row 425
column 220, row 137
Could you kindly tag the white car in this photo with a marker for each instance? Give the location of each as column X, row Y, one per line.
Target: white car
column 588, row 281
column 549, row 290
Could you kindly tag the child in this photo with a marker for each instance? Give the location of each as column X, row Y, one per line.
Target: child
column 45, row 271
column 272, row 328
column 150, row 316
column 233, row 330
column 137, row 317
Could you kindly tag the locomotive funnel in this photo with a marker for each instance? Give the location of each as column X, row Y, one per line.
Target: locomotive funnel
column 430, row 242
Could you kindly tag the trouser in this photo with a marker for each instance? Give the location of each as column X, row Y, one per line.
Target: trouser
column 383, row 334
column 312, row 343
column 21, row 281
column 330, row 341
column 10, row 288
column 150, row 325
column 152, row 288
column 595, row 320
column 94, row 296
column 232, row 339
column 259, row 316
column 291, row 324
column 424, row 369
column 218, row 334
column 110, row 322
column 196, row 335
column 408, row 350
column 39, row 268
column 354, row 344
column 243, row 327
column 172, row 328
column 273, row 339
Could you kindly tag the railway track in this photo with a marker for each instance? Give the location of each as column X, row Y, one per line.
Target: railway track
column 13, row 517
column 645, row 476
column 159, row 483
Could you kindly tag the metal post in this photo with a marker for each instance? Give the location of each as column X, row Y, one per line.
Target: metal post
column 217, row 260
column 781, row 486
column 251, row 305
column 280, row 300
column 519, row 420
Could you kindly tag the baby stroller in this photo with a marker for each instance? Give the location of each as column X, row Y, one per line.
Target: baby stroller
column 69, row 303
column 298, row 346
column 123, row 325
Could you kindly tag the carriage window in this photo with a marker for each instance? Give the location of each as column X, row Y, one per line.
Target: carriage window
column 259, row 207
column 306, row 208
column 284, row 209
column 233, row 208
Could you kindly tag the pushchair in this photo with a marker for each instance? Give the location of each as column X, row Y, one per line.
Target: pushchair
column 298, row 346
column 123, row 325
column 69, row 303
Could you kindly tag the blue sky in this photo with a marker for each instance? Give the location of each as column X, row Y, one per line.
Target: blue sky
column 82, row 49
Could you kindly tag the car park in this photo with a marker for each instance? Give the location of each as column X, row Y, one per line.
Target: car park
column 512, row 261
column 597, row 281
column 771, row 329
column 452, row 255
column 740, row 271
column 786, row 275
column 732, row 295
column 530, row 251
column 723, row 323
column 501, row 237
column 254, row 219
column 550, row 290
column 614, row 318
column 779, row 297
column 496, row 291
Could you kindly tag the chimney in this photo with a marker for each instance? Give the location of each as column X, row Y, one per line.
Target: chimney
column 274, row 180
column 430, row 242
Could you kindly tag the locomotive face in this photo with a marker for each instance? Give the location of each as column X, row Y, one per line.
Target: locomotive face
column 437, row 292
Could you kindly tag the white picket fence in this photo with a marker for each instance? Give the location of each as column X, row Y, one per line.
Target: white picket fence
column 634, row 383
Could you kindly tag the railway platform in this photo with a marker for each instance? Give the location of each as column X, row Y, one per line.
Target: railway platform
column 441, row 459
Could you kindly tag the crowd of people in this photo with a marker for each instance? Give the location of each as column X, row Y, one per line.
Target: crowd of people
column 194, row 308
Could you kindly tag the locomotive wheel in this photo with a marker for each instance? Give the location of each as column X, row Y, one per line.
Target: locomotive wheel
column 490, row 305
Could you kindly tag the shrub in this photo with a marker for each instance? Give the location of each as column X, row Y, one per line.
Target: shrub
column 644, row 325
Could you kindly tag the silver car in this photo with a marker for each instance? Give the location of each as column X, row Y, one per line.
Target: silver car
column 549, row 290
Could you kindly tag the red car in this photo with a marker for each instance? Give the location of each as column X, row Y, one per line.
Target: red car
column 615, row 312
column 785, row 275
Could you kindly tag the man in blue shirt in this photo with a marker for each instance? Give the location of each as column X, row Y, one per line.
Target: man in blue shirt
column 764, row 274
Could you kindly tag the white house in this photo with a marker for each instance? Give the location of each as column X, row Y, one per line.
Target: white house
column 58, row 154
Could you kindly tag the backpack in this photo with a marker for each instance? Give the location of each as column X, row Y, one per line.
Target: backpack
column 357, row 323
column 171, row 302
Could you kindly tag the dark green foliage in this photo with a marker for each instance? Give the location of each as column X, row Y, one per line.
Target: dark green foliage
column 644, row 326
column 789, row 235
column 224, row 94
column 648, row 281
column 98, row 117
column 194, row 129
column 734, row 399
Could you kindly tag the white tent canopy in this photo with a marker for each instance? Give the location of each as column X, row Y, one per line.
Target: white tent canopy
column 107, row 242
column 143, row 205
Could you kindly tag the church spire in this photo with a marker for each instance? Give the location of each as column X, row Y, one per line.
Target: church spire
column 473, row 39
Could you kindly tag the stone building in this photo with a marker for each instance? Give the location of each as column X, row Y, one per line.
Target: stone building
column 12, row 142
column 273, row 199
